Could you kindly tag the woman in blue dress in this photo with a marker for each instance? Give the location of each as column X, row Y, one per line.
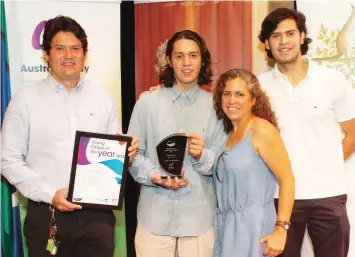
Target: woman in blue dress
column 246, row 171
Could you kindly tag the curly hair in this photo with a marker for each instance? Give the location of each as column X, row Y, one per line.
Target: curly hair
column 166, row 75
column 273, row 19
column 160, row 61
column 262, row 107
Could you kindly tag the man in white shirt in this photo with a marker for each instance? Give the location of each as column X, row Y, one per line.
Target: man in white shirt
column 37, row 146
column 315, row 107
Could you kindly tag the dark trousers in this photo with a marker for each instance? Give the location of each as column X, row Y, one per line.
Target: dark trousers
column 83, row 233
column 327, row 223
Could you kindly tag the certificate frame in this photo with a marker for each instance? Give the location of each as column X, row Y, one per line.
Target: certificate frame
column 98, row 159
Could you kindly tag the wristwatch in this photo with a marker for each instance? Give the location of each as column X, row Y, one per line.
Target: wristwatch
column 284, row 224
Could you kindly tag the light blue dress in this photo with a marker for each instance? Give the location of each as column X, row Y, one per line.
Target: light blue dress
column 245, row 189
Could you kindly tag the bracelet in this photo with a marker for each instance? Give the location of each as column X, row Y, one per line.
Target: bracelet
column 283, row 221
column 284, row 224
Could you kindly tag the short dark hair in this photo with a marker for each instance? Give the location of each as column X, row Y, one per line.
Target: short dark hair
column 62, row 24
column 273, row 19
column 167, row 77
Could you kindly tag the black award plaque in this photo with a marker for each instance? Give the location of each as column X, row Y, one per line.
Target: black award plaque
column 171, row 152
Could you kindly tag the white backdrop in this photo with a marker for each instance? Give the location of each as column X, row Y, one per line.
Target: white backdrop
column 324, row 21
column 100, row 20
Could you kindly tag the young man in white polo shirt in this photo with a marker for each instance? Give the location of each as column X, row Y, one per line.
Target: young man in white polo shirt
column 315, row 107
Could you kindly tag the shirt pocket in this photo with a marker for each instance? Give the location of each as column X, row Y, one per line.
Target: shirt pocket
column 316, row 109
column 92, row 119
column 48, row 124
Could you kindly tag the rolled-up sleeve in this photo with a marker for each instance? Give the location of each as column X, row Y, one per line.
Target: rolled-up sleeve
column 215, row 139
column 142, row 169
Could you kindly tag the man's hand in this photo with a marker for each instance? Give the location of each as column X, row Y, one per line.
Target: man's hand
column 173, row 184
column 195, row 145
column 132, row 150
column 151, row 89
column 60, row 201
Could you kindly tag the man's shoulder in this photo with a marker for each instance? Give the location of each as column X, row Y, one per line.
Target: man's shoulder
column 265, row 75
column 94, row 87
column 331, row 80
column 266, row 79
column 325, row 72
column 205, row 94
column 154, row 96
column 98, row 91
column 28, row 89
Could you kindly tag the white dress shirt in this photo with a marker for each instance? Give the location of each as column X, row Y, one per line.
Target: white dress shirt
column 39, row 129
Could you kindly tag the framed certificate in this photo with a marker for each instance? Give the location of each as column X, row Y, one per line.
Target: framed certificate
column 99, row 170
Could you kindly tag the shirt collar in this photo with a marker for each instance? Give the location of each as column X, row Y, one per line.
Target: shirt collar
column 312, row 69
column 276, row 72
column 58, row 87
column 310, row 73
column 191, row 94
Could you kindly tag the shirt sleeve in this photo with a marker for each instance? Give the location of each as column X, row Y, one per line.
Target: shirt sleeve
column 114, row 125
column 344, row 105
column 214, row 141
column 142, row 169
column 14, row 147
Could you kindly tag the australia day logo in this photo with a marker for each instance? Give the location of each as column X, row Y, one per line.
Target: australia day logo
column 36, row 36
column 36, row 44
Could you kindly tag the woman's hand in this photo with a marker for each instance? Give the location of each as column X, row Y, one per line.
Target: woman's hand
column 275, row 242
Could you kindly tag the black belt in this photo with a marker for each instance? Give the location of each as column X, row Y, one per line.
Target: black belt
column 82, row 210
column 37, row 203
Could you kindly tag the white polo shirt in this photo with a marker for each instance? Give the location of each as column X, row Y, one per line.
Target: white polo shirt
column 308, row 117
